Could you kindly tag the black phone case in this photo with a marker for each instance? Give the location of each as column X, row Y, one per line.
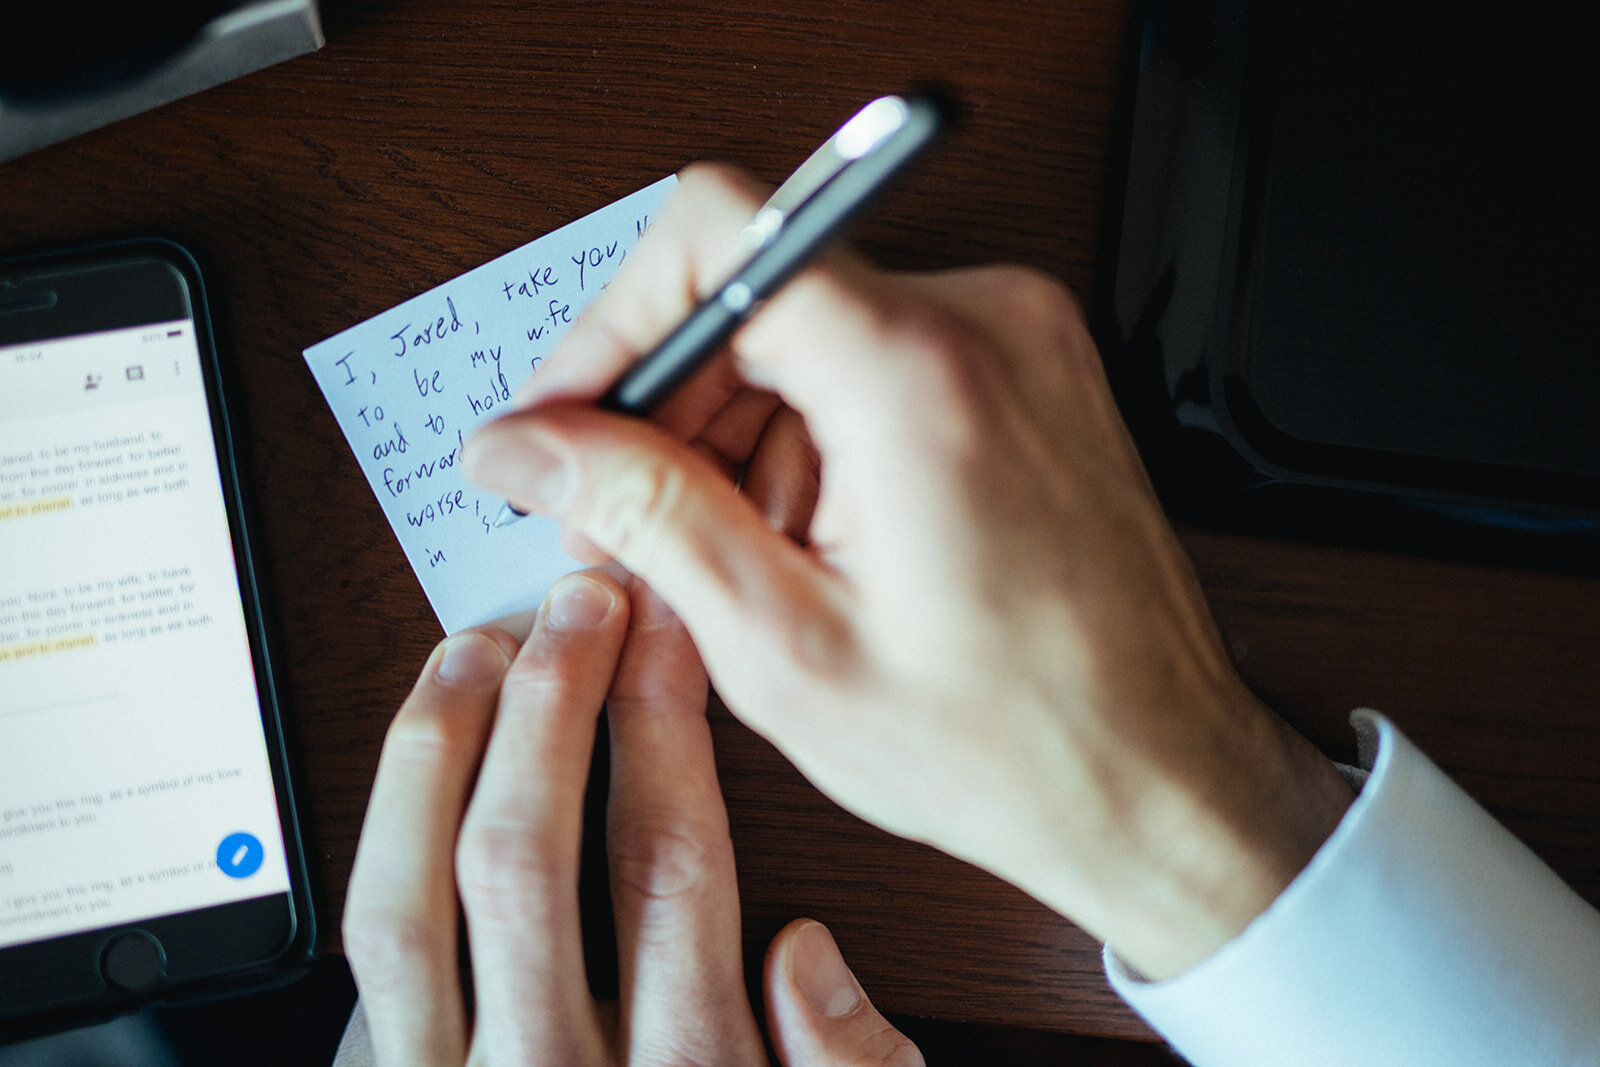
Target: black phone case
column 299, row 950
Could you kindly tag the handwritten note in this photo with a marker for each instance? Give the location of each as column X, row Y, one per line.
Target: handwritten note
column 409, row 385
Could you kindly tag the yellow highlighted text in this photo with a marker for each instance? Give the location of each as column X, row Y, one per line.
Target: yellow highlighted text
column 34, row 507
column 44, row 648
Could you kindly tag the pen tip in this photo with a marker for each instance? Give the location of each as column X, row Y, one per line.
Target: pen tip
column 508, row 515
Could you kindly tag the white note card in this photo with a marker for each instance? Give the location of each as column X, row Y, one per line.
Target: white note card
column 409, row 385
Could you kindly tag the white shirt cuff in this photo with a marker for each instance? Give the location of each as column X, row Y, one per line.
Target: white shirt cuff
column 1421, row 933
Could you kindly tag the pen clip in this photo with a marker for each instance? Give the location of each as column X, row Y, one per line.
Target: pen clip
column 865, row 131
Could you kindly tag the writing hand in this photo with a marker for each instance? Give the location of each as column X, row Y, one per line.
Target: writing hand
column 991, row 640
column 478, row 800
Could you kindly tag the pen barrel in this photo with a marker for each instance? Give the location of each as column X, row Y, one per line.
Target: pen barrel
column 808, row 230
column 652, row 379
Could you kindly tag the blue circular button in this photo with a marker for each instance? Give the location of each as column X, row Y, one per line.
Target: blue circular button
column 240, row 855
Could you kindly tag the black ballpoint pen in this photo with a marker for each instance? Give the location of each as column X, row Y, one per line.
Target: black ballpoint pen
column 806, row 214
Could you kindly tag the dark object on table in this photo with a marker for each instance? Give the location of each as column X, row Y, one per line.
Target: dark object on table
column 1356, row 283
column 67, row 66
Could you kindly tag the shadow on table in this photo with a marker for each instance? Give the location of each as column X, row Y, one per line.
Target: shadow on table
column 301, row 1025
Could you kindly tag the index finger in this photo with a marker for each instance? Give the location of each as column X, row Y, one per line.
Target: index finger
column 517, row 855
column 834, row 342
column 673, row 887
column 693, row 242
column 400, row 918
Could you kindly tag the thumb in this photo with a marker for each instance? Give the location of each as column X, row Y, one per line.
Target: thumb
column 671, row 517
column 817, row 1012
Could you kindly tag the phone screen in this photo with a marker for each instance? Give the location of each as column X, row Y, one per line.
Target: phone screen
column 134, row 775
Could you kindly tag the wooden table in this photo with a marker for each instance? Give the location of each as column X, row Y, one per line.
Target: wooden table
column 427, row 138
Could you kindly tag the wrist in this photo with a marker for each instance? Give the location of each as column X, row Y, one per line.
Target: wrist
column 1205, row 851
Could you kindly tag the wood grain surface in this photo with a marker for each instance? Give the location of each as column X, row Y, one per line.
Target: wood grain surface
column 428, row 138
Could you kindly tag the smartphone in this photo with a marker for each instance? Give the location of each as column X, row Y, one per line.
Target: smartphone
column 148, row 842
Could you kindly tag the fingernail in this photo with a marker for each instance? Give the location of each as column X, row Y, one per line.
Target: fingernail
column 471, row 661
column 819, row 972
column 577, row 602
column 520, row 465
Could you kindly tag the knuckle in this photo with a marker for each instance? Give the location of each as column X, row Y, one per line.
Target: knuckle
column 813, row 649
column 656, row 698
column 896, row 319
column 537, row 681
column 946, row 386
column 991, row 345
column 499, row 866
column 1040, row 307
column 385, row 944
column 1035, row 295
column 822, row 649
column 949, row 351
column 661, row 857
column 715, row 181
column 939, row 345
column 425, row 736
